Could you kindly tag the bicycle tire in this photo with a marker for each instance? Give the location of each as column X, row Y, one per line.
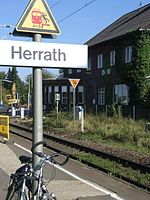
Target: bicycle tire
column 48, row 196
column 11, row 193
column 15, row 193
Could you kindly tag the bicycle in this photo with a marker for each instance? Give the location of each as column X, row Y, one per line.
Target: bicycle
column 20, row 186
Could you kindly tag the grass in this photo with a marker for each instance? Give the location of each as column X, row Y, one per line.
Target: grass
column 115, row 131
column 115, row 168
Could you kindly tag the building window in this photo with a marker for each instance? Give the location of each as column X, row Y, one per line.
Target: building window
column 71, row 95
column 80, row 94
column 61, row 72
column 64, row 94
column 120, row 94
column 101, row 95
column 112, row 58
column 128, row 54
column 78, row 70
column 89, row 63
column 45, row 96
column 50, row 94
column 56, row 89
column 100, row 61
column 45, row 89
column 69, row 71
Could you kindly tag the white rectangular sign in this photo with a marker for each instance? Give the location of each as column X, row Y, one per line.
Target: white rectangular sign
column 38, row 54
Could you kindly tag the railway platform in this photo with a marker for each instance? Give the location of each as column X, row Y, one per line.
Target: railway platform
column 9, row 162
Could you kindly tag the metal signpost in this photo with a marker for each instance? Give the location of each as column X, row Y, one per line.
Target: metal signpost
column 37, row 110
column 82, row 119
column 74, row 83
column 57, row 99
column 37, row 21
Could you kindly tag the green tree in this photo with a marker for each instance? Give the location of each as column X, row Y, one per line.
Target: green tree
column 46, row 74
column 2, row 75
column 14, row 75
column 139, row 70
column 9, row 77
column 4, row 86
column 21, row 86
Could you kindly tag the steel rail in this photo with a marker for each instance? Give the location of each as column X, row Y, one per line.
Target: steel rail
column 27, row 134
column 96, row 152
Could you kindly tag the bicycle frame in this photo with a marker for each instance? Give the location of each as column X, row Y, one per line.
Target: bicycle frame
column 17, row 188
column 24, row 187
column 41, row 188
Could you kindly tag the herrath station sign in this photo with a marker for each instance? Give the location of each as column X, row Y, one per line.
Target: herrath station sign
column 37, row 54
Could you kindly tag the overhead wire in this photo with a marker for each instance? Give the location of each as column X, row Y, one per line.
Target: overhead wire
column 6, row 26
column 55, row 4
column 5, row 36
column 85, row 5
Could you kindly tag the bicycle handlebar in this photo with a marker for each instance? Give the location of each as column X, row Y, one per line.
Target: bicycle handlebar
column 50, row 158
column 57, row 162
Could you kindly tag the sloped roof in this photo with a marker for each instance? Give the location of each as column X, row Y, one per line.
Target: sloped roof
column 132, row 21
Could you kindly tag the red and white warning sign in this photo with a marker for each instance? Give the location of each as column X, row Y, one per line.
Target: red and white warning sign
column 38, row 18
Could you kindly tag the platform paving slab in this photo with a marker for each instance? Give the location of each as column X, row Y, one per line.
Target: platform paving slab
column 96, row 198
column 4, row 180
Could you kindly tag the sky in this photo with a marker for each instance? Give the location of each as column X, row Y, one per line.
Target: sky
column 76, row 29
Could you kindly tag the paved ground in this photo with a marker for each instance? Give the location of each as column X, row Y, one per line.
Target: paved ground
column 4, row 179
column 67, row 187
column 8, row 164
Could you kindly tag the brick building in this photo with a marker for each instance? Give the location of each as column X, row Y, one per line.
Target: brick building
column 110, row 52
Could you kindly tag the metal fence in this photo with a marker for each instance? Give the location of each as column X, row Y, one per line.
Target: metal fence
column 134, row 112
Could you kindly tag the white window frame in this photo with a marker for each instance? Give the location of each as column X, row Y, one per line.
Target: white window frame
column 71, row 95
column 81, row 92
column 78, row 70
column 101, row 95
column 128, row 54
column 69, row 71
column 56, row 89
column 112, row 58
column 64, row 97
column 100, row 60
column 45, row 93
column 45, row 89
column 120, row 94
column 49, row 94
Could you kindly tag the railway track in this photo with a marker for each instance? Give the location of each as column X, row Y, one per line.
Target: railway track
column 58, row 144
